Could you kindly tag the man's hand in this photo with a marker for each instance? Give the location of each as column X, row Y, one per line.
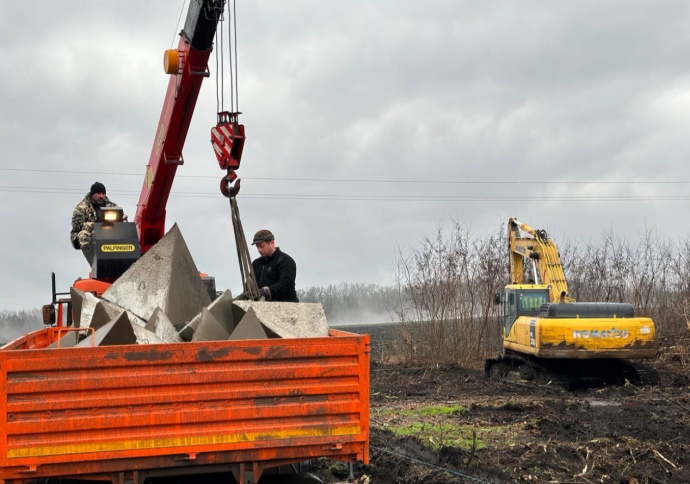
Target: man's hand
column 265, row 292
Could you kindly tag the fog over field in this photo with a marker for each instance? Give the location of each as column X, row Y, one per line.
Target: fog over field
column 14, row 324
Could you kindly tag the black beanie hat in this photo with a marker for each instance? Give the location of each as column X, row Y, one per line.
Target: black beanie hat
column 97, row 187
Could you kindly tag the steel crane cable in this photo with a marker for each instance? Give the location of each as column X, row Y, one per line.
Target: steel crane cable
column 232, row 60
column 232, row 43
column 177, row 28
column 249, row 285
column 220, row 86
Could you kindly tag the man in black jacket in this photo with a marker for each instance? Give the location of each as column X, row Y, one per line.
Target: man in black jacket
column 275, row 271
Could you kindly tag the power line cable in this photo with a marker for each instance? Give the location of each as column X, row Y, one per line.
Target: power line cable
column 365, row 180
column 371, row 198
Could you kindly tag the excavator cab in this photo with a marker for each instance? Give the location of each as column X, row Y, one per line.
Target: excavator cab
column 521, row 300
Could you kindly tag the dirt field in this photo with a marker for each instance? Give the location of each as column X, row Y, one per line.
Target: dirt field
column 452, row 425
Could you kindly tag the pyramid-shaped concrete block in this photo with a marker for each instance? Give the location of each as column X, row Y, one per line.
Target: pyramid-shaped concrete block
column 289, row 320
column 187, row 330
column 221, row 309
column 112, row 308
column 119, row 331
column 249, row 328
column 136, row 320
column 67, row 339
column 146, row 337
column 238, row 313
column 209, row 328
column 88, row 308
column 160, row 325
column 103, row 313
column 164, row 277
column 76, row 297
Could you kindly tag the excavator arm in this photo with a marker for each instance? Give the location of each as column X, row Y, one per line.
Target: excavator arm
column 188, row 66
column 538, row 247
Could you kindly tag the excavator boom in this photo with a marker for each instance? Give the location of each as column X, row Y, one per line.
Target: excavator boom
column 541, row 250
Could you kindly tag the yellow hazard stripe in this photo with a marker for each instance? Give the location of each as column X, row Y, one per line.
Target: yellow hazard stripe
column 177, row 442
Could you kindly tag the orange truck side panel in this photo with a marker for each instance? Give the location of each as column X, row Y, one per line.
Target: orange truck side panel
column 78, row 411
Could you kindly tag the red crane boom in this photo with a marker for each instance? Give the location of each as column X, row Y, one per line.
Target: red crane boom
column 188, row 66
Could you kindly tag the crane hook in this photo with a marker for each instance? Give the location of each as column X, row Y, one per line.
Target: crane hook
column 225, row 184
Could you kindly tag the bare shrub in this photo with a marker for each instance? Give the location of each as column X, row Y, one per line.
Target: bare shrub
column 446, row 291
column 677, row 301
column 652, row 273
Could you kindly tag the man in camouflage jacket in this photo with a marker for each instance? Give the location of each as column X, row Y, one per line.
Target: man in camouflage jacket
column 85, row 214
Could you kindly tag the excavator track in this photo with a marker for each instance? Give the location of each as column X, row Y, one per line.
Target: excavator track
column 646, row 375
column 569, row 374
column 520, row 368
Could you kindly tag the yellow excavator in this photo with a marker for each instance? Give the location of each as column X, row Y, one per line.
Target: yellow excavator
column 548, row 337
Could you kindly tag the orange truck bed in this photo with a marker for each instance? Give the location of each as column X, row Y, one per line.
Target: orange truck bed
column 119, row 412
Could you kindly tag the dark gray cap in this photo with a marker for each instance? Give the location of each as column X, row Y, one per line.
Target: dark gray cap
column 263, row 235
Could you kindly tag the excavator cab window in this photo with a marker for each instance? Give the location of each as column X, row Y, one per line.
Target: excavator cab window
column 530, row 302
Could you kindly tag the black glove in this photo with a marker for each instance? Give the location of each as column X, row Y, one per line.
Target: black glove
column 265, row 292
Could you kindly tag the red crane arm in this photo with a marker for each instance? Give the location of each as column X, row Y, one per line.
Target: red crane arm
column 188, row 66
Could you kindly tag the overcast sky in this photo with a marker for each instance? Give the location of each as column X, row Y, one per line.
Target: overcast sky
column 586, row 104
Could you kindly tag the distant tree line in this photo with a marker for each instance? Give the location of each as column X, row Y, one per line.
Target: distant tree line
column 353, row 303
column 16, row 323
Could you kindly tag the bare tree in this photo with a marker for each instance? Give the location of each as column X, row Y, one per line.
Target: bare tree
column 446, row 291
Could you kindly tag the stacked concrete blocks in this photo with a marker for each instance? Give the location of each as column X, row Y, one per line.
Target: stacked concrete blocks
column 162, row 299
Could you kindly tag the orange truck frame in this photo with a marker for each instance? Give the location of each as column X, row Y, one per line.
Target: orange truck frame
column 124, row 413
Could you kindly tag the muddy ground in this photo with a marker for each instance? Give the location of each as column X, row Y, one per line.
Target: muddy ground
column 449, row 424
